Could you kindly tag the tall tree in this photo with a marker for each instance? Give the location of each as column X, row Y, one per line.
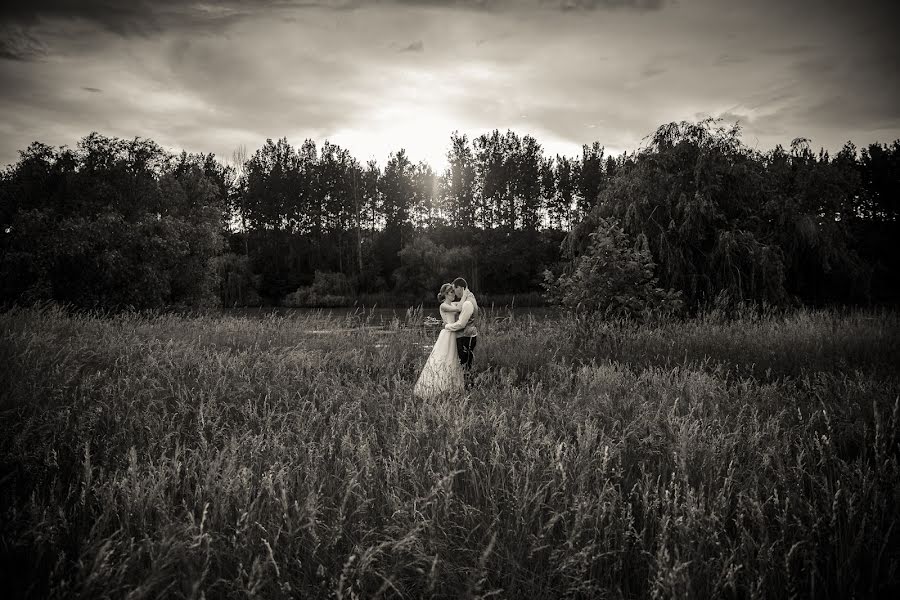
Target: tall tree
column 566, row 187
column 526, row 182
column 548, row 191
column 591, row 176
column 809, row 207
column 426, row 203
column 271, row 186
column 371, row 194
column 880, row 169
column 398, row 195
column 460, row 198
column 493, row 190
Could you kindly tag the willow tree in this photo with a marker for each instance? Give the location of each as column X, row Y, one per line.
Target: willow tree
column 695, row 193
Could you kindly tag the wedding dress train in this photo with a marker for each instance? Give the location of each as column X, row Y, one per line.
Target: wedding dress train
column 442, row 373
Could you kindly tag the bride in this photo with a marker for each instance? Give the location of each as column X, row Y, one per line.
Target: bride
column 442, row 373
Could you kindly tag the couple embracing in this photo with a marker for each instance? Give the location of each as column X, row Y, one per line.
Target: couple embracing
column 450, row 362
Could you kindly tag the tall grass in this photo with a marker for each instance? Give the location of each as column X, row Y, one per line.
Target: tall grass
column 167, row 456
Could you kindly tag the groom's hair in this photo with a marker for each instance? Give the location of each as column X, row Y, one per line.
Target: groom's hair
column 460, row 282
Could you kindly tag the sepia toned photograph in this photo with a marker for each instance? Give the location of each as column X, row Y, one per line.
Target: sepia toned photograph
column 449, row 299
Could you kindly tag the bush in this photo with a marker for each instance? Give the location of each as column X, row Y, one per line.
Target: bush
column 614, row 277
column 328, row 290
column 105, row 261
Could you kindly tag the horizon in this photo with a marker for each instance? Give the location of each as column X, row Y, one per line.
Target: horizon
column 439, row 168
column 375, row 77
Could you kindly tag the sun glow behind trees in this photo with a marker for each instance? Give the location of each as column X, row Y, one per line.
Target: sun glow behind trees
column 421, row 108
column 425, row 130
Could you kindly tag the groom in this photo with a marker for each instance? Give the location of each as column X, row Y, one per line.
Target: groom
column 465, row 326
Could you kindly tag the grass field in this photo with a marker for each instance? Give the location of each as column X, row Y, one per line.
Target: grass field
column 230, row 457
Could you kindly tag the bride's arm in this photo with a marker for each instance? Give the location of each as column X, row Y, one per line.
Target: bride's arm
column 447, row 307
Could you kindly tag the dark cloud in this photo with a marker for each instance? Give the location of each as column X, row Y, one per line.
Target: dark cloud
column 726, row 59
column 91, row 89
column 793, row 50
column 22, row 23
column 652, row 71
column 149, row 16
column 416, row 46
column 136, row 17
column 499, row 5
column 606, row 4
column 17, row 43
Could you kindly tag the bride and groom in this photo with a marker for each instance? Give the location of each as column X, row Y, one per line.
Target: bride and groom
column 450, row 360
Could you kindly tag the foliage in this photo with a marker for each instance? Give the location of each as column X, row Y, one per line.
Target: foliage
column 117, row 223
column 508, row 169
column 459, row 200
column 239, row 284
column 720, row 220
column 424, row 266
column 327, row 290
column 614, row 277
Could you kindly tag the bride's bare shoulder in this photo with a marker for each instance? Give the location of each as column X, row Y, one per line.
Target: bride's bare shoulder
column 450, row 307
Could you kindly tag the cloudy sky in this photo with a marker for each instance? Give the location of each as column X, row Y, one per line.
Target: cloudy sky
column 378, row 75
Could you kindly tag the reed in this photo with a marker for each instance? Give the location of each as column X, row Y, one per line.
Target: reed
column 217, row 456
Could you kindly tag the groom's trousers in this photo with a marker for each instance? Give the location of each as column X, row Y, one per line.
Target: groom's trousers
column 465, row 348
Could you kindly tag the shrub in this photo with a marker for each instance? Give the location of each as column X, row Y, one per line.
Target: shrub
column 327, row 290
column 614, row 277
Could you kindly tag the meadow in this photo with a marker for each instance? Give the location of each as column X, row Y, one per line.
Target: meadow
column 228, row 456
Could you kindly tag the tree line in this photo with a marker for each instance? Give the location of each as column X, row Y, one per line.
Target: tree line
column 498, row 213
column 695, row 214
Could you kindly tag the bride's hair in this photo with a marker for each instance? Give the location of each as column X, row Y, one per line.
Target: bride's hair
column 444, row 289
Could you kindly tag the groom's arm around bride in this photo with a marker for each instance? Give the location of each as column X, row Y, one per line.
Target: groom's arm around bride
column 465, row 325
column 466, row 311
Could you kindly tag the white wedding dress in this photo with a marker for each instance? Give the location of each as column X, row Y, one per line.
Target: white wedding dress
column 442, row 373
